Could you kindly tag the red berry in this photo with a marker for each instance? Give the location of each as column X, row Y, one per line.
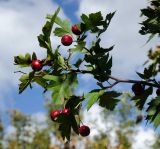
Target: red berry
column 36, row 65
column 84, row 130
column 158, row 92
column 66, row 40
column 138, row 88
column 65, row 111
column 54, row 114
column 76, row 30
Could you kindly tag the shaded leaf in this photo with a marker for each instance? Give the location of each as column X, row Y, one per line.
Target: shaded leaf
column 108, row 100
column 78, row 63
column 26, row 80
column 34, row 57
column 141, row 99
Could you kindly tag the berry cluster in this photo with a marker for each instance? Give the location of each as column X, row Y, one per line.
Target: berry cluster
column 56, row 113
column 37, row 65
column 67, row 39
column 83, row 130
column 139, row 88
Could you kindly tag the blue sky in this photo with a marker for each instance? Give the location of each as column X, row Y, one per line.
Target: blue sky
column 21, row 22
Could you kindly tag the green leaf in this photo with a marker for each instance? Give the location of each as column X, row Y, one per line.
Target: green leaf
column 60, row 32
column 98, row 49
column 96, row 18
column 106, row 23
column 148, row 72
column 74, row 103
column 141, row 75
column 44, row 38
column 66, row 123
column 23, row 86
column 61, row 86
column 23, row 61
column 109, row 64
column 78, row 63
column 91, row 21
column 108, row 100
column 93, row 97
column 34, row 57
column 52, row 78
column 141, row 99
column 41, row 81
column 65, row 130
column 25, row 80
column 63, row 24
column 153, row 114
column 61, row 61
column 24, row 77
column 89, row 67
column 74, row 124
column 150, row 38
column 65, row 27
column 42, row 41
column 79, row 47
column 49, row 24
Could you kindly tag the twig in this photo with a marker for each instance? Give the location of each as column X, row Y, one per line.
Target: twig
column 20, row 72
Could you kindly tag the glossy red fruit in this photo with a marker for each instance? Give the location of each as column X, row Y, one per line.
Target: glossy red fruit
column 138, row 88
column 54, row 114
column 158, row 92
column 84, row 130
column 76, row 30
column 66, row 40
column 36, row 65
column 65, row 111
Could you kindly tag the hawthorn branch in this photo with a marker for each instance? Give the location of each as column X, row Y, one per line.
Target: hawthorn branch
column 133, row 81
column 119, row 80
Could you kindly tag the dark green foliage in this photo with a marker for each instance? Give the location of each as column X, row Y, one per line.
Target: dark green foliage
column 109, row 100
column 151, row 25
column 66, row 124
column 94, row 20
column 140, row 100
column 153, row 114
column 148, row 72
column 74, row 103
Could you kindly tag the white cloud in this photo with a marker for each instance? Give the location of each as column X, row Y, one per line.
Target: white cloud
column 144, row 138
column 20, row 24
column 10, row 130
column 93, row 118
column 39, row 118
